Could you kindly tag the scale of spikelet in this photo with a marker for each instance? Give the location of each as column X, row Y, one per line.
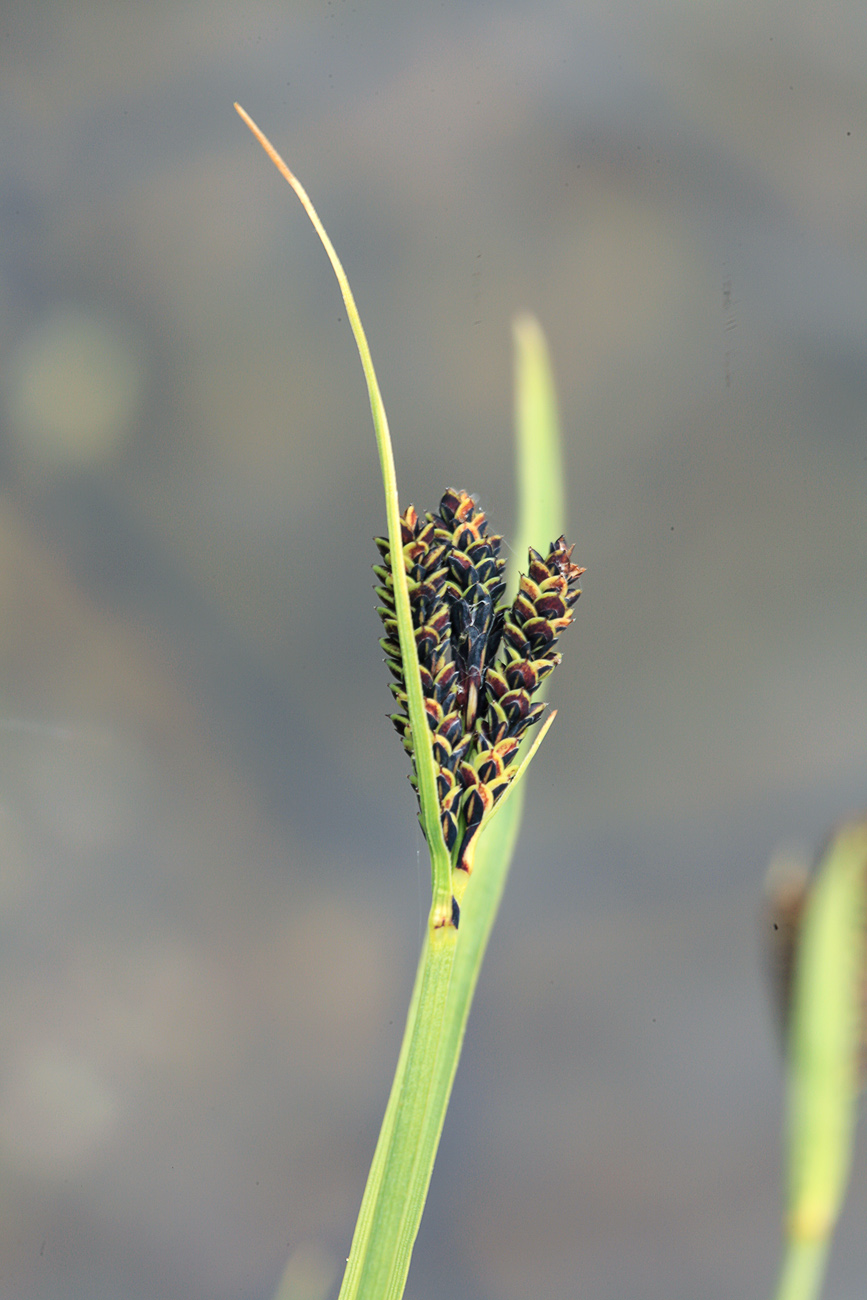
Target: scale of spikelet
column 541, row 611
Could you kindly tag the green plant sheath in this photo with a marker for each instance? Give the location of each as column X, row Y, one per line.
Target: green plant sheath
column 451, row 958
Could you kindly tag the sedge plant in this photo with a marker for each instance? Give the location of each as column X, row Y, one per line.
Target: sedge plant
column 467, row 667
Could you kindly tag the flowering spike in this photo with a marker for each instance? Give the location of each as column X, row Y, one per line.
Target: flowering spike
column 480, row 662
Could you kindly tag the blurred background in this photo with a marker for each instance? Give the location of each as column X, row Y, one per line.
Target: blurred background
column 212, row 884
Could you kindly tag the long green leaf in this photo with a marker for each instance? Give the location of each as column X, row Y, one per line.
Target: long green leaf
column 541, row 514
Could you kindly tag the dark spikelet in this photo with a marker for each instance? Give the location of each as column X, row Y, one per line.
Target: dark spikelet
column 474, row 590
column 481, row 661
column 424, row 558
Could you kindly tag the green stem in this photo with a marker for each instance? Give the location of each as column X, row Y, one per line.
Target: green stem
column 415, row 1124
column 369, row 1202
column 803, row 1270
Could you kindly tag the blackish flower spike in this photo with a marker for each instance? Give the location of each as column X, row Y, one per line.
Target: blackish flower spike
column 480, row 661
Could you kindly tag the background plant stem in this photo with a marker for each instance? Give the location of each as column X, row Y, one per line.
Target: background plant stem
column 803, row 1270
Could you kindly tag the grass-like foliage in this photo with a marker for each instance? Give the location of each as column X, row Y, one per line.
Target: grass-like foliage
column 468, row 665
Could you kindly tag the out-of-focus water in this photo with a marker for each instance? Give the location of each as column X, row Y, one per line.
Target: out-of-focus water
column 211, row 883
